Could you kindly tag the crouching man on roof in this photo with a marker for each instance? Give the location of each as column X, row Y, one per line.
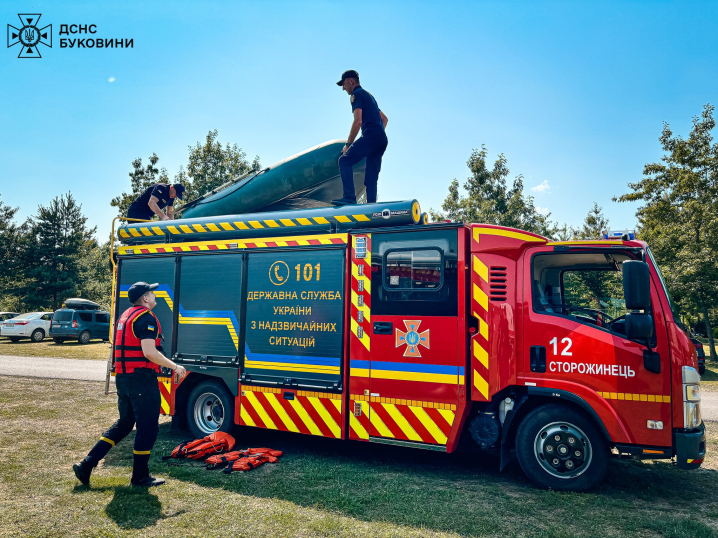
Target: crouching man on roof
column 137, row 363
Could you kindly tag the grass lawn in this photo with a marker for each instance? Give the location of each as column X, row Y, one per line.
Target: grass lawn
column 319, row 488
column 71, row 349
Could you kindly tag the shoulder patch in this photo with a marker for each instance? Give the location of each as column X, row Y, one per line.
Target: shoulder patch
column 352, row 98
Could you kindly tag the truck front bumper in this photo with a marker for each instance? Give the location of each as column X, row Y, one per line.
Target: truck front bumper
column 690, row 448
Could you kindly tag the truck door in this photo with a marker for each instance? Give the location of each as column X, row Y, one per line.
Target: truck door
column 574, row 339
column 413, row 369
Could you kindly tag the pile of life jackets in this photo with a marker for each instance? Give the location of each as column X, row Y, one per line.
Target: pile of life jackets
column 217, row 449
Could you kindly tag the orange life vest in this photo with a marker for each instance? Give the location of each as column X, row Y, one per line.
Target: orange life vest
column 214, row 443
column 128, row 353
column 247, row 463
column 223, row 460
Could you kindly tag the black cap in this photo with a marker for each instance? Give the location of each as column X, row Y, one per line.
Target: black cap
column 179, row 189
column 348, row 74
column 138, row 289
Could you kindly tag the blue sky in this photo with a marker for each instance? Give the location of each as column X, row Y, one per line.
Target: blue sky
column 573, row 93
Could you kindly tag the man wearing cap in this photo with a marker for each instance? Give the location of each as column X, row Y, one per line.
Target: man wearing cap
column 137, row 362
column 371, row 146
column 154, row 200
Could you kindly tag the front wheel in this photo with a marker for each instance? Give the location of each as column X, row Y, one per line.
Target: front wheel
column 38, row 335
column 210, row 408
column 560, row 448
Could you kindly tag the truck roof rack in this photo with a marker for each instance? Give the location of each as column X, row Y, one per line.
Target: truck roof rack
column 276, row 223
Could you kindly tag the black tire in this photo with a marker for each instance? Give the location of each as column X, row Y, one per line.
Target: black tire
column 84, row 338
column 38, row 335
column 210, row 408
column 59, row 340
column 14, row 339
column 587, row 452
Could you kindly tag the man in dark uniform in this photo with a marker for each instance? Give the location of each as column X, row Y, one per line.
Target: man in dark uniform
column 154, row 200
column 137, row 363
column 371, row 146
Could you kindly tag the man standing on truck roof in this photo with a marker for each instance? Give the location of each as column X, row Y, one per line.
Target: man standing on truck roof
column 137, row 363
column 154, row 200
column 371, row 146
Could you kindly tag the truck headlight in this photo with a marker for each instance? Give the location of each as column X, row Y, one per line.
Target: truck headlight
column 692, row 414
column 693, row 393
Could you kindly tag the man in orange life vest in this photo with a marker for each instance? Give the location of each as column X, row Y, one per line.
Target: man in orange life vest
column 137, row 363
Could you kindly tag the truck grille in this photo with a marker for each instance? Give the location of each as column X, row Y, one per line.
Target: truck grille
column 497, row 281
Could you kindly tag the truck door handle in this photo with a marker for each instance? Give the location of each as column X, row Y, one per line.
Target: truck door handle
column 537, row 357
column 383, row 327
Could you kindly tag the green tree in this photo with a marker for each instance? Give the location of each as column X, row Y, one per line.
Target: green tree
column 140, row 179
column 679, row 218
column 95, row 278
column 490, row 200
column 52, row 251
column 211, row 165
column 593, row 225
column 10, row 264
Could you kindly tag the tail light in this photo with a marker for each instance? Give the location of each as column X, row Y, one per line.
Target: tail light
column 21, row 322
column 74, row 324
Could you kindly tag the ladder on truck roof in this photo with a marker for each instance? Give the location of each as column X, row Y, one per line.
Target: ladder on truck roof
column 277, row 223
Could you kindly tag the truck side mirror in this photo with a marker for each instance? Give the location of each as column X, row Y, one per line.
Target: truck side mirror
column 636, row 285
column 639, row 326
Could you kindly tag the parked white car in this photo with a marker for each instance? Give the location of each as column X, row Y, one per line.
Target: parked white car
column 34, row 325
column 5, row 316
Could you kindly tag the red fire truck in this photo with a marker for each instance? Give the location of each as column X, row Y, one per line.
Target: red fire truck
column 367, row 323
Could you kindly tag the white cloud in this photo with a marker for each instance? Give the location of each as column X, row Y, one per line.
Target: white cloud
column 544, row 187
column 542, row 210
column 111, row 79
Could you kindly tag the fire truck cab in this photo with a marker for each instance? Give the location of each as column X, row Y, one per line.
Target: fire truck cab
column 366, row 323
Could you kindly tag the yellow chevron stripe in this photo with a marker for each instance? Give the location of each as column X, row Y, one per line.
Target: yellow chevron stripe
column 173, row 230
column 337, row 403
column 448, row 416
column 199, row 228
column 320, row 220
column 287, row 222
column 481, row 384
column 357, row 427
column 157, row 230
column 379, row 426
column 308, row 422
column 256, row 224
column 480, row 269
column 134, row 232
column 226, row 226
column 252, row 400
column 242, row 226
column 271, row 223
column 506, row 233
column 288, row 422
column 326, row 417
column 361, row 218
column 429, row 424
column 483, row 326
column 246, row 417
column 481, row 297
column 365, row 339
column 402, row 422
column 304, row 222
column 342, row 218
column 186, row 229
column 123, row 233
column 365, row 308
column 481, row 354
column 212, row 226
column 146, row 231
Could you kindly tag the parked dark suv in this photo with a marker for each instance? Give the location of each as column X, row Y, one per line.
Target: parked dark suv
column 80, row 320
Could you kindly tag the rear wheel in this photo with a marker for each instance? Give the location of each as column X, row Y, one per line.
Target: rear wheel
column 560, row 448
column 210, row 408
column 59, row 340
column 84, row 337
column 38, row 335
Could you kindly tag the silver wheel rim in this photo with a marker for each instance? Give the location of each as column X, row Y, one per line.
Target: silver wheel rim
column 85, row 338
column 208, row 413
column 563, row 450
column 37, row 336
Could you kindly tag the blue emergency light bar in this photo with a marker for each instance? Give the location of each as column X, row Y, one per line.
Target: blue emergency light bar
column 620, row 235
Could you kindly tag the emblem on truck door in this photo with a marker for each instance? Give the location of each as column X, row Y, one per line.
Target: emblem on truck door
column 412, row 338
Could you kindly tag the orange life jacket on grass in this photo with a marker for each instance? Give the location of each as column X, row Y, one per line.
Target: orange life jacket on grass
column 128, row 353
column 222, row 460
column 216, row 443
column 247, row 463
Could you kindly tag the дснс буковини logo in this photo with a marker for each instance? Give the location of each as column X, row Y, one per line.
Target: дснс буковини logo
column 29, row 36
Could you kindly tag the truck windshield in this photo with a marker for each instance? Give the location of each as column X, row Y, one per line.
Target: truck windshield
column 674, row 310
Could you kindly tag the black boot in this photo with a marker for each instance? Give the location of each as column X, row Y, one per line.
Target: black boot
column 83, row 471
column 147, row 482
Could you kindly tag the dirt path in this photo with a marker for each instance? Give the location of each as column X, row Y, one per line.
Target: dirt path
column 50, row 367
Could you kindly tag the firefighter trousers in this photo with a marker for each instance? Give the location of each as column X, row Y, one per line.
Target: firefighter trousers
column 139, row 402
column 370, row 146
